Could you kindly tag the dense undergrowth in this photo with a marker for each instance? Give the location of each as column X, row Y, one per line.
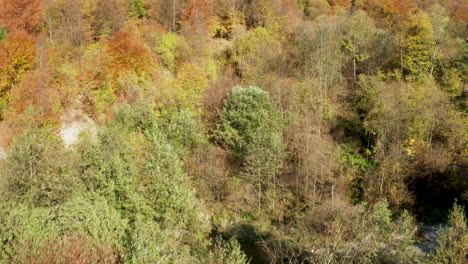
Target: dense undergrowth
column 231, row 131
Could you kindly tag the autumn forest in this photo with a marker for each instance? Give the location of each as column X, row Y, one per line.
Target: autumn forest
column 233, row 131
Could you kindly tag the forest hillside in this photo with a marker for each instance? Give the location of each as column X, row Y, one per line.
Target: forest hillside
column 233, row 131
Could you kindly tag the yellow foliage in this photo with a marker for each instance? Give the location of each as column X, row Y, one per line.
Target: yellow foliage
column 189, row 86
column 418, row 43
column 17, row 56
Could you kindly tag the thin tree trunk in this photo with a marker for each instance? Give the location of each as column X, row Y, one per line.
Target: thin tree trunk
column 333, row 193
column 429, row 136
column 401, row 60
column 173, row 15
column 434, row 53
column 50, row 33
column 31, row 163
column 381, row 182
column 354, row 59
column 259, row 188
column 354, row 67
column 274, row 190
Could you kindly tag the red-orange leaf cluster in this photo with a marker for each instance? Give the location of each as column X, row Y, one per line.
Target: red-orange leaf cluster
column 345, row 3
column 39, row 91
column 17, row 55
column 458, row 9
column 391, row 11
column 23, row 15
column 388, row 6
column 127, row 52
column 22, row 19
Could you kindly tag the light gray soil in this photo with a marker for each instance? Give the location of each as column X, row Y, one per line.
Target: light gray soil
column 74, row 122
column 428, row 237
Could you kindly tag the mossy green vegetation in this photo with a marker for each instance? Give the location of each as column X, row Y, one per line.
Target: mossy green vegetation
column 124, row 188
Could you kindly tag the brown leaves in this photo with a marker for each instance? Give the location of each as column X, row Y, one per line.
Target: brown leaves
column 459, row 9
column 392, row 11
column 37, row 90
column 17, row 52
column 22, row 19
column 76, row 249
column 344, row 3
column 127, row 52
column 22, row 15
column 17, row 55
column 198, row 16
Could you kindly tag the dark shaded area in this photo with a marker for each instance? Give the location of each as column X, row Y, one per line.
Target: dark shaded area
column 263, row 248
column 255, row 252
column 250, row 241
column 436, row 192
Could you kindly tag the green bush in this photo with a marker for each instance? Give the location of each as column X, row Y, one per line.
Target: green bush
column 138, row 157
column 137, row 7
column 183, row 131
column 452, row 240
column 250, row 127
column 167, row 48
column 122, row 192
column 151, row 244
column 228, row 252
column 107, row 165
column 24, row 228
column 36, row 169
column 250, row 116
column 357, row 234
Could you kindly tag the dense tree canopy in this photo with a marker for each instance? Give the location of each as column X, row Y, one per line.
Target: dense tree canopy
column 233, row 131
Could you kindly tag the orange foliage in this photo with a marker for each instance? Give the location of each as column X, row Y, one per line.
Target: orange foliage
column 37, row 90
column 458, row 9
column 22, row 15
column 397, row 7
column 345, row 3
column 17, row 55
column 391, row 11
column 198, row 15
column 127, row 52
column 72, row 250
column 389, row 6
column 22, row 19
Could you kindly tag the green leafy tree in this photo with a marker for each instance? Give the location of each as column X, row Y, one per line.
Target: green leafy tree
column 228, row 252
column 152, row 244
column 251, row 128
column 36, row 169
column 107, row 166
column 25, row 228
column 183, row 131
column 452, row 240
column 167, row 49
column 138, row 8
column 122, row 191
column 248, row 113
